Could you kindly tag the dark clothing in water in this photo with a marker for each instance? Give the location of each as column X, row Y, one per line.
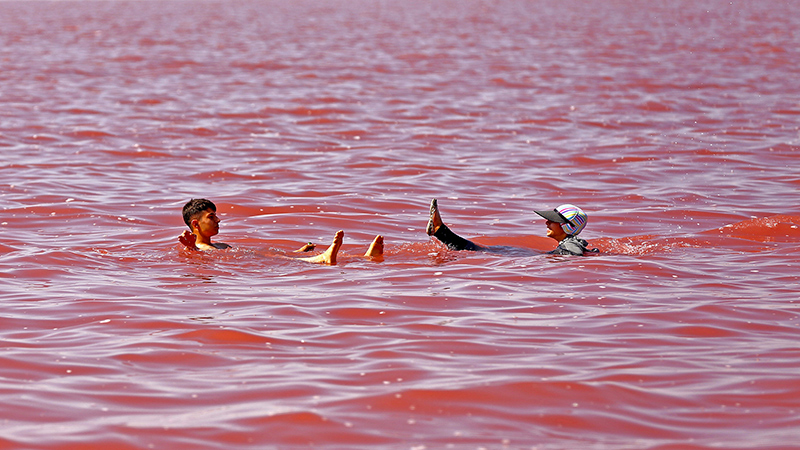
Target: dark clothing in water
column 572, row 245
column 454, row 241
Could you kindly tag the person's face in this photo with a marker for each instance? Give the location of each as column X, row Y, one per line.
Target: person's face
column 555, row 231
column 208, row 223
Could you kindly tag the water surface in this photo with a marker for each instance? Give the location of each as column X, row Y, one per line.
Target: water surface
column 674, row 125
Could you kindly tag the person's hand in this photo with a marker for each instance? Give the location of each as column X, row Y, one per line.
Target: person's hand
column 188, row 239
column 306, row 248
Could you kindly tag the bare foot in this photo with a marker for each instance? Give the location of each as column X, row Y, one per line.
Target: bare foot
column 306, row 248
column 329, row 255
column 435, row 220
column 189, row 240
column 375, row 249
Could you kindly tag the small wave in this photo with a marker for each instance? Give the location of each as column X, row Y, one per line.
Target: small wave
column 778, row 228
column 94, row 134
column 224, row 337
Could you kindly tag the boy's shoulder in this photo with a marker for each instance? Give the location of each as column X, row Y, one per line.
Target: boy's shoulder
column 572, row 245
column 213, row 246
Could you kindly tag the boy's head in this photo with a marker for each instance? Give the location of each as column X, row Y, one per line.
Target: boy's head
column 571, row 218
column 194, row 209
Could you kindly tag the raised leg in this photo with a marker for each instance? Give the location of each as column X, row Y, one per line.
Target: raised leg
column 440, row 231
column 435, row 220
column 375, row 249
column 330, row 254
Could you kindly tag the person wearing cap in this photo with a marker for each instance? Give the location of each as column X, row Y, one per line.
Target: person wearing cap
column 564, row 223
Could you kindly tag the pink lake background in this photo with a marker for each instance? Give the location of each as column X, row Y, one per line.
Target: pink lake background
column 673, row 124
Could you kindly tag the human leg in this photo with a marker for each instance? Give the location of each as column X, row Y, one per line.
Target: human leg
column 440, row 231
column 375, row 249
column 330, row 254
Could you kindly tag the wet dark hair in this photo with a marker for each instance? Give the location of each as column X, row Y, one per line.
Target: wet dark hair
column 194, row 208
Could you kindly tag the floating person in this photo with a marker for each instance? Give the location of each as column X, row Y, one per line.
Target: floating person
column 563, row 224
column 200, row 215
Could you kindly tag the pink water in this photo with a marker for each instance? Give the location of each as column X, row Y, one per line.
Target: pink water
column 675, row 125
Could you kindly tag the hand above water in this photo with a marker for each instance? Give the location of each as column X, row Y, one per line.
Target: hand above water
column 306, row 248
column 188, row 239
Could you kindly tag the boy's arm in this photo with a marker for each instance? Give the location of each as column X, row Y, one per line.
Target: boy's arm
column 188, row 239
column 306, row 248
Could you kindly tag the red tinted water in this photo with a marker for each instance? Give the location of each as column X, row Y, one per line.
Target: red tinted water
column 675, row 125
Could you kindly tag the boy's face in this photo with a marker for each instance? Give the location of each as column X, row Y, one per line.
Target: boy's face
column 555, row 231
column 207, row 224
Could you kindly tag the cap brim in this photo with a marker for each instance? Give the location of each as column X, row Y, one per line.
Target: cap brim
column 551, row 215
